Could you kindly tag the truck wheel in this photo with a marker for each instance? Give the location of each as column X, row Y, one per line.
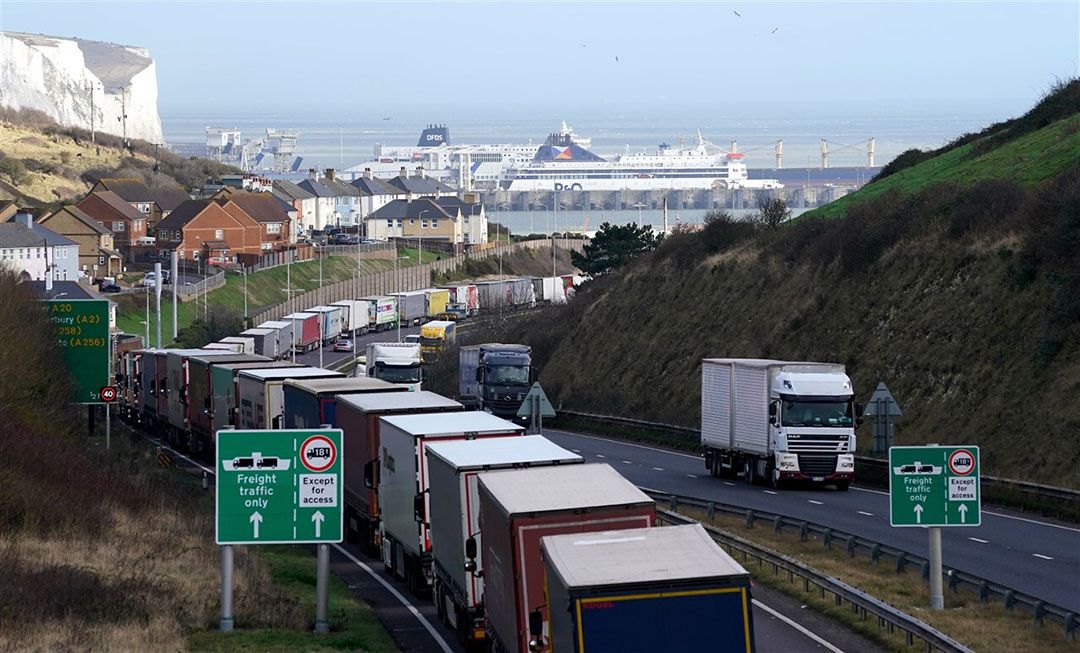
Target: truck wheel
column 842, row 485
column 440, row 601
column 775, row 481
column 750, row 472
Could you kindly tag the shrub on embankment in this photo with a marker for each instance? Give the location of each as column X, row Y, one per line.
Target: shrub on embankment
column 99, row 550
column 961, row 295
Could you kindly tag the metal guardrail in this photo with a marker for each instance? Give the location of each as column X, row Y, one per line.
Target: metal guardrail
column 993, row 482
column 888, row 617
column 1040, row 610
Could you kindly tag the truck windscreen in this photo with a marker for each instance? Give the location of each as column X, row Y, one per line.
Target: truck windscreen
column 816, row 413
column 507, row 375
column 398, row 374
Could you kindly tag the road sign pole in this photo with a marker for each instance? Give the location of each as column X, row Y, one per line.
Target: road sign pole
column 937, row 597
column 322, row 590
column 108, row 427
column 226, row 588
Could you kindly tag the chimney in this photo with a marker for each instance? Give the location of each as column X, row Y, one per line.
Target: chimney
column 25, row 219
column 403, row 173
column 313, row 174
column 368, row 174
column 330, row 174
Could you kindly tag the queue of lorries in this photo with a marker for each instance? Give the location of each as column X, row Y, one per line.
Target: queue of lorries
column 521, row 545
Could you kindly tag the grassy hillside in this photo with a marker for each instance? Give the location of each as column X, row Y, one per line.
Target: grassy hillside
column 959, row 291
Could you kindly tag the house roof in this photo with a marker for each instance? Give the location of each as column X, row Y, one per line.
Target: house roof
column 291, row 190
column 130, row 189
column 68, row 289
column 315, row 188
column 400, row 209
column 262, row 207
column 216, row 244
column 340, row 188
column 15, row 234
column 375, row 186
column 82, row 217
column 453, row 202
column 183, row 214
column 170, row 197
column 418, row 185
column 114, row 201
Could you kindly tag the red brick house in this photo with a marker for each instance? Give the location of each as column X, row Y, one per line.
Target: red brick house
column 118, row 216
column 265, row 209
column 203, row 229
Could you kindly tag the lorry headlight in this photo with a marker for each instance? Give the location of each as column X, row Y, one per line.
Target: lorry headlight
column 845, row 463
column 788, row 461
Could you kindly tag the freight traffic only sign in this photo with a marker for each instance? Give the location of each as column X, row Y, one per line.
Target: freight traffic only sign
column 82, row 331
column 934, row 486
column 279, row 487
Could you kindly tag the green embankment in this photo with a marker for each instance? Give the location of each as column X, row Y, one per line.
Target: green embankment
column 954, row 280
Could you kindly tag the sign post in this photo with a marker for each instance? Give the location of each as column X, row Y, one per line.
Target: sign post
column 279, row 487
column 535, row 407
column 934, row 487
column 883, row 408
column 82, row 331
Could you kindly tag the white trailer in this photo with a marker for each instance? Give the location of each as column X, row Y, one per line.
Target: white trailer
column 284, row 330
column 260, row 397
column 354, row 316
column 454, row 469
column 247, row 344
column 403, row 483
column 778, row 421
column 330, row 323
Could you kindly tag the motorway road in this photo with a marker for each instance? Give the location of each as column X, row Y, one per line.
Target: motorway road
column 1034, row 556
column 330, row 356
column 781, row 624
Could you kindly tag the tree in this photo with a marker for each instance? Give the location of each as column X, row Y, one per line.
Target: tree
column 614, row 246
column 771, row 213
column 221, row 323
column 14, row 169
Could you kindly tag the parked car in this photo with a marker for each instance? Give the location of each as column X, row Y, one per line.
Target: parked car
column 109, row 286
column 149, row 280
column 343, row 345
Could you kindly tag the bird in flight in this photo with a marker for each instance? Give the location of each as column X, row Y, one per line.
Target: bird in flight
column 774, row 30
column 616, row 58
column 736, row 13
column 582, row 45
column 386, row 119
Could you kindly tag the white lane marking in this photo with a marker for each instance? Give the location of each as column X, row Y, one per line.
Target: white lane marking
column 600, row 455
column 628, row 462
column 994, row 514
column 1039, row 555
column 627, row 444
column 975, row 539
column 802, row 629
column 576, row 450
column 729, row 483
column 769, row 492
column 404, row 601
column 863, row 512
column 692, row 476
column 816, row 503
column 658, row 469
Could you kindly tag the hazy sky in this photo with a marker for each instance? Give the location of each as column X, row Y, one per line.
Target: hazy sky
column 240, row 55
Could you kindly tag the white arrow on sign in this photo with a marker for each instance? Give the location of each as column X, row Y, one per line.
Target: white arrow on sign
column 256, row 519
column 318, row 519
column 918, row 513
column 963, row 513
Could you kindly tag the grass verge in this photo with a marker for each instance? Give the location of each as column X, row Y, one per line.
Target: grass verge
column 353, row 626
column 981, row 626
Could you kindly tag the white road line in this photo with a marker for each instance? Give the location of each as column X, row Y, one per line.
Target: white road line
column 628, row 462
column 658, row 469
column 995, row 514
column 863, row 512
column 768, row 492
column 975, row 539
column 802, row 629
column 816, row 503
column 404, row 601
column 600, row 455
column 576, row 450
column 627, row 444
column 692, row 476
column 1039, row 555
column 729, row 483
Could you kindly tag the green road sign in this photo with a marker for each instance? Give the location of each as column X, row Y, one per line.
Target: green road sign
column 82, row 329
column 279, row 487
column 934, row 486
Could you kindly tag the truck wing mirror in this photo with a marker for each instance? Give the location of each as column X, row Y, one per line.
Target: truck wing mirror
column 479, row 375
column 369, row 473
column 119, row 378
column 276, row 422
column 536, row 630
column 470, row 548
column 859, row 410
column 534, row 374
column 418, row 507
column 206, row 403
column 772, row 413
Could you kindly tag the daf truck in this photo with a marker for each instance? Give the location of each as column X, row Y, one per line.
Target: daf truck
column 778, row 421
column 495, row 377
column 395, row 362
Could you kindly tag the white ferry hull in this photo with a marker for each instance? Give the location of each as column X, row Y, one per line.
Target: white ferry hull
column 639, row 184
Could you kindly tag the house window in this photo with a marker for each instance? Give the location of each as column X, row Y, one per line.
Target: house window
column 219, row 234
column 434, row 223
column 412, row 220
column 390, row 223
column 423, row 223
column 118, row 226
column 399, row 223
column 273, row 228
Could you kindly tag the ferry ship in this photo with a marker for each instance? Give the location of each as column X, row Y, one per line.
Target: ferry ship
column 563, row 164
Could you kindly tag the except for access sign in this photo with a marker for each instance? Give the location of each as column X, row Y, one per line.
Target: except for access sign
column 279, row 487
column 934, row 486
column 82, row 330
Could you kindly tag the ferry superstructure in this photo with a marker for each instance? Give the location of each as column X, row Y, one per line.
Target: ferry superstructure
column 561, row 164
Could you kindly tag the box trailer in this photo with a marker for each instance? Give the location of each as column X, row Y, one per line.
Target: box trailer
column 651, row 589
column 329, row 322
column 266, row 341
column 284, row 330
column 411, row 306
column 382, row 312
column 177, row 397
column 358, row 418
column 199, row 399
column 260, row 397
column 454, row 469
column 247, row 345
column 310, row 403
column 223, row 409
column 467, row 296
column 305, row 334
column 778, row 421
column 403, row 484
column 437, row 299
column 518, row 508
column 354, row 316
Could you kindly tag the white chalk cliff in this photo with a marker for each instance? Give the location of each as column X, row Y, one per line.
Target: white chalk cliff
column 58, row 76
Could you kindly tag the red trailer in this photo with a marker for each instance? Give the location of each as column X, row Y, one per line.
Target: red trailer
column 517, row 509
column 306, row 336
column 358, row 418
